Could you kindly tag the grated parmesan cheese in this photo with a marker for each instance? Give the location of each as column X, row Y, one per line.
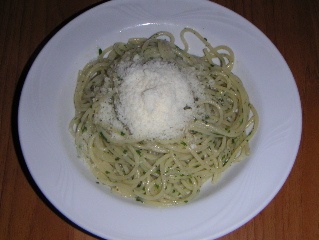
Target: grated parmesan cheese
column 156, row 99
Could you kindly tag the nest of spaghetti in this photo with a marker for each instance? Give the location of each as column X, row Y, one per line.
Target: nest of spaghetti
column 167, row 169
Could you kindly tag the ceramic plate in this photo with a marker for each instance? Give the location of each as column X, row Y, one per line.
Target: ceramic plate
column 46, row 108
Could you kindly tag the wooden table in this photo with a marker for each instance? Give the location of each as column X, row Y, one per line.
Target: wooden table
column 292, row 25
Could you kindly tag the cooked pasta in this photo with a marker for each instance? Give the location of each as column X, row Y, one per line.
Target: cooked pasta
column 215, row 132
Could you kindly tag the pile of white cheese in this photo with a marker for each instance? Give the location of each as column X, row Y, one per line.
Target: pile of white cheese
column 156, row 99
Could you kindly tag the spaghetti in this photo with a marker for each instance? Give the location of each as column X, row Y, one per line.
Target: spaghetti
column 160, row 171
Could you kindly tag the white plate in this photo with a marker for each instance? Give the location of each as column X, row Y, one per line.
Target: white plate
column 46, row 107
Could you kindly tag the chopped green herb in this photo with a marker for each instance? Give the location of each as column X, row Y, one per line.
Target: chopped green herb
column 84, row 128
column 184, row 143
column 100, row 51
column 107, row 172
column 125, row 151
column 139, row 199
column 117, row 158
column 157, row 186
column 103, row 137
column 139, row 152
column 122, row 133
column 185, row 201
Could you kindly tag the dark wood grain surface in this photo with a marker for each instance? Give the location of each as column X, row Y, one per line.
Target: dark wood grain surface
column 292, row 25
